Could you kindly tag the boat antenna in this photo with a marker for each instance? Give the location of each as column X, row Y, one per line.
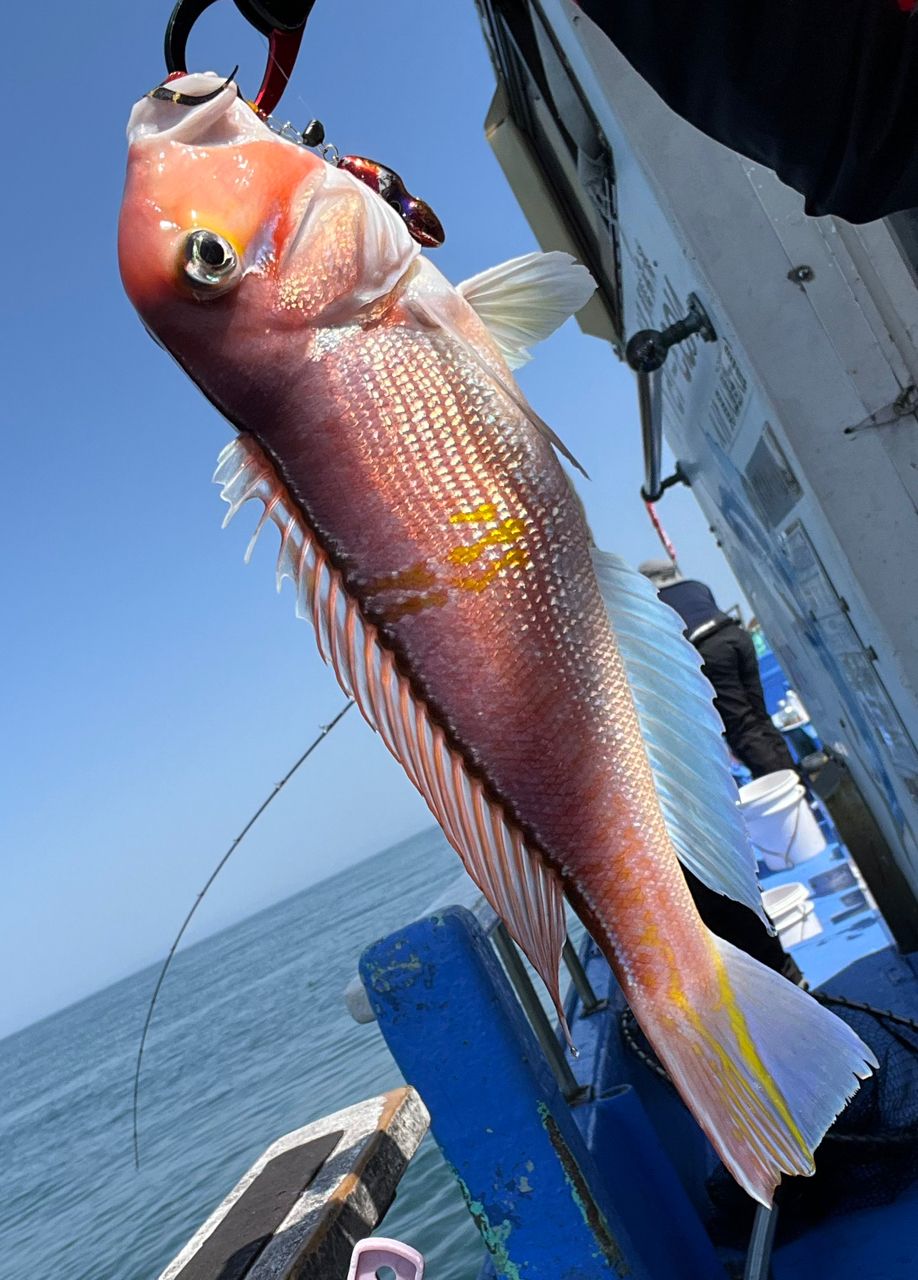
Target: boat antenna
column 326, row 730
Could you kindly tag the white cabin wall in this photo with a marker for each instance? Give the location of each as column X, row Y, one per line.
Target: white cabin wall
column 807, row 391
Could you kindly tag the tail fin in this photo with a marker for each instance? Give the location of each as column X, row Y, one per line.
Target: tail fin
column 765, row 1070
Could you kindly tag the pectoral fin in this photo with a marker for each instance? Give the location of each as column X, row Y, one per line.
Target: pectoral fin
column 526, row 299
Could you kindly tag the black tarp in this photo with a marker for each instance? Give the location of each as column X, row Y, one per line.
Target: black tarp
column 824, row 92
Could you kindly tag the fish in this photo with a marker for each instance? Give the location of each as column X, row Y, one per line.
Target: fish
column 537, row 694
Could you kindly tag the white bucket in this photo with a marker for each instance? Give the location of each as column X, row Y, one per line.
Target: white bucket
column 790, row 909
column 780, row 822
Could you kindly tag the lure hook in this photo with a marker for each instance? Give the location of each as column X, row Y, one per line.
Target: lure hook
column 282, row 21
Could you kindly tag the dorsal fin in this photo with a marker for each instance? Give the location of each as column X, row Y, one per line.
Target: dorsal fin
column 682, row 734
column 526, row 299
column 521, row 887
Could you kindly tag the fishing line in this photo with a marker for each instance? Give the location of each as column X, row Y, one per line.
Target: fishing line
column 326, row 730
column 312, row 136
column 272, row 58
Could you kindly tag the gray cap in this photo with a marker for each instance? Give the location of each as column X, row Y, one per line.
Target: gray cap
column 662, row 573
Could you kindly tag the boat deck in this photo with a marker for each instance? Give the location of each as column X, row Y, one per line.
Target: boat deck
column 849, row 923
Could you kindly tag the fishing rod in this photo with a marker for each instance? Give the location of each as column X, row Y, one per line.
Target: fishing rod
column 326, row 730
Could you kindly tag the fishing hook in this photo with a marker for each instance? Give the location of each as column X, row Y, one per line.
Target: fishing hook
column 282, row 21
column 164, row 94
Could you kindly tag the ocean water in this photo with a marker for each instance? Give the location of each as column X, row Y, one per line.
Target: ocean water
column 250, row 1040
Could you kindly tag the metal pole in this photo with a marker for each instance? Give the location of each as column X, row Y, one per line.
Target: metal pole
column 646, row 354
column 758, row 1258
column 538, row 1019
column 589, row 1000
column 652, row 433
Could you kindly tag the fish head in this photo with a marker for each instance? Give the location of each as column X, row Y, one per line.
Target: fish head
column 232, row 238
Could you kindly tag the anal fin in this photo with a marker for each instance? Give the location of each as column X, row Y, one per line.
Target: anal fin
column 682, row 735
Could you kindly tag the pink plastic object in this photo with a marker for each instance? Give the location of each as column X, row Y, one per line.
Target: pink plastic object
column 372, row 1256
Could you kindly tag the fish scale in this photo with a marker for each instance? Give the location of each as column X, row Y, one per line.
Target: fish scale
column 469, row 656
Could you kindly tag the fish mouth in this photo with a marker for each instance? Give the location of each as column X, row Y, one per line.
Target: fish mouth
column 199, row 108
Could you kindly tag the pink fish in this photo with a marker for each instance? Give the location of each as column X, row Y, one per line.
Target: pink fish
column 535, row 691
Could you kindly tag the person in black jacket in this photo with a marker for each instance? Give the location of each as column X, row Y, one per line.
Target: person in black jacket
column 731, row 665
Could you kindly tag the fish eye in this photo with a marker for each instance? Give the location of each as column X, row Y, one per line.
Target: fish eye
column 209, row 261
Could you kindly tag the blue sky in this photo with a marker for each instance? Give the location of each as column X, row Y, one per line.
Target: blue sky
column 155, row 687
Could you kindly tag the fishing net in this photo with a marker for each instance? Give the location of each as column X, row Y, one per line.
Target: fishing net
column 869, row 1155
